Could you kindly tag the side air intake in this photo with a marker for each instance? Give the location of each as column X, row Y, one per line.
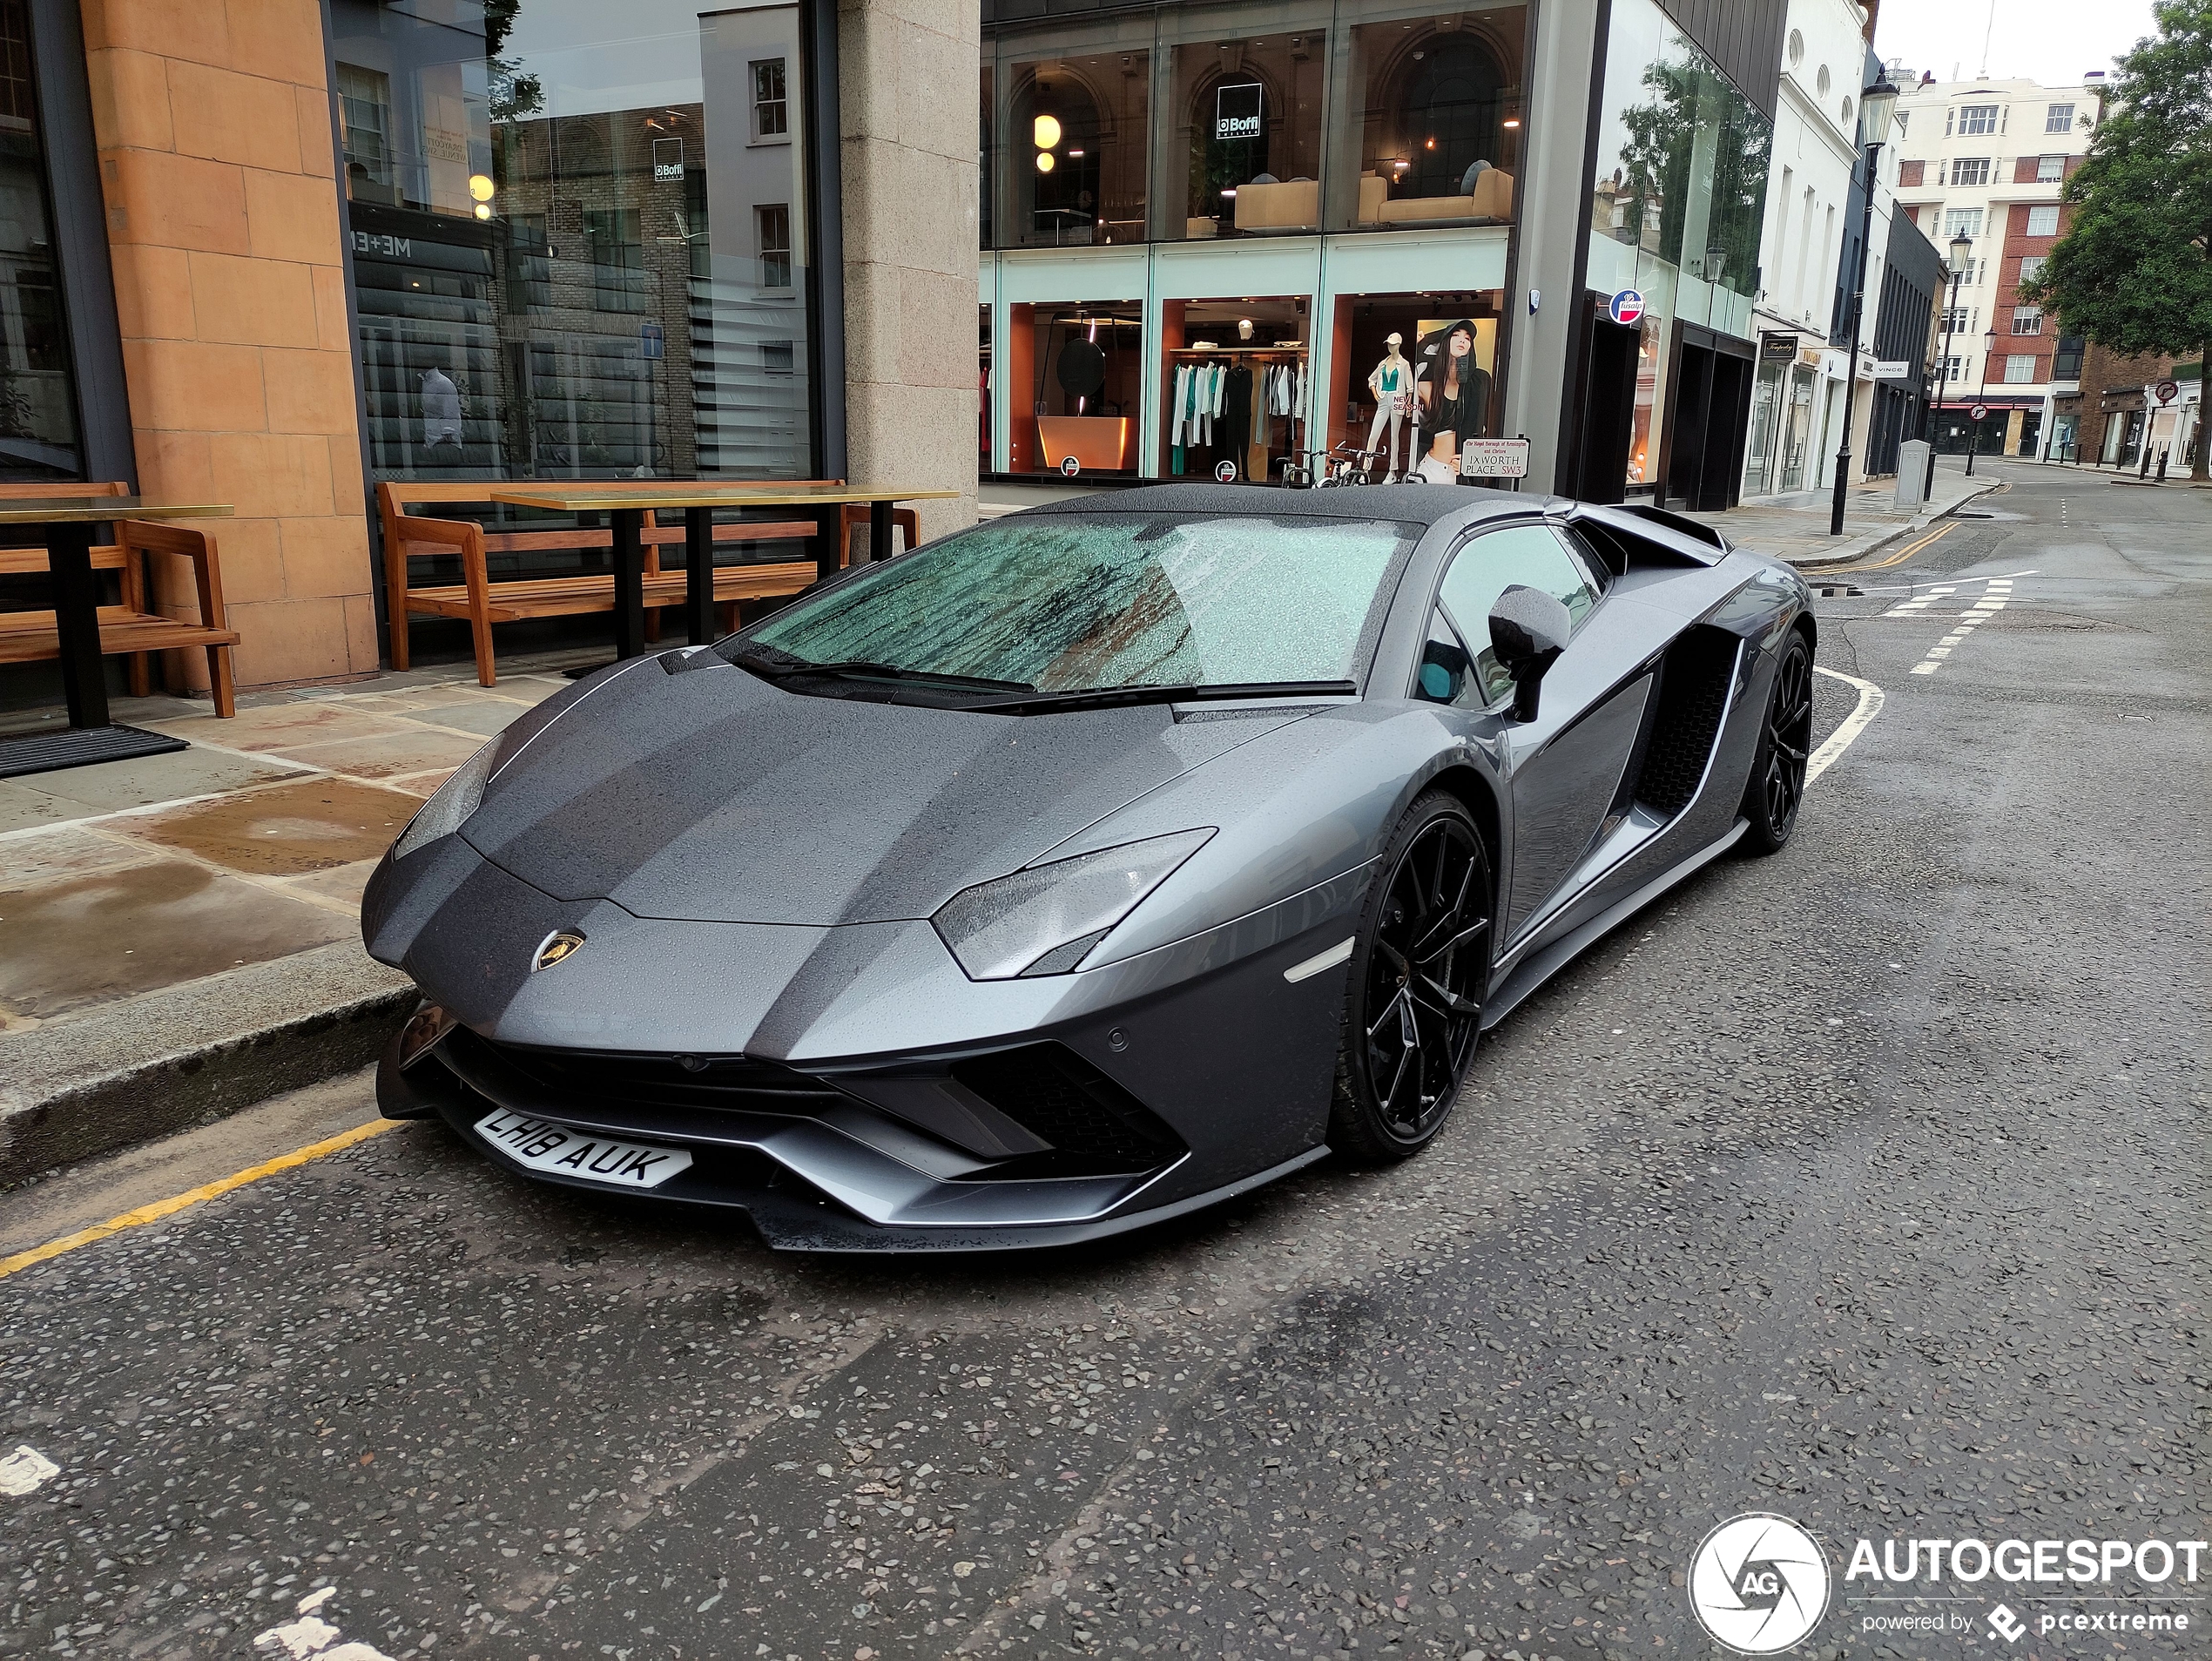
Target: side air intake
column 1061, row 1099
column 1694, row 681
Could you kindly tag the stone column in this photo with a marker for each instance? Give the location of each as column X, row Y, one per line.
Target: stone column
column 214, row 126
column 908, row 86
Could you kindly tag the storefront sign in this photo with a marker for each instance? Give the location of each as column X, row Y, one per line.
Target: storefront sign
column 1494, row 458
column 1225, row 471
column 1625, row 306
column 1070, row 466
column 2165, row 391
column 1888, row 369
column 668, row 161
column 1236, row 112
column 1778, row 348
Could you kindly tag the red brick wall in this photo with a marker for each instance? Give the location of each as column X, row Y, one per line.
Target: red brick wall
column 1908, row 174
column 2017, row 244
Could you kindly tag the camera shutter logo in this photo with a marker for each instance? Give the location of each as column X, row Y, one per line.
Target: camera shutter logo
column 1758, row 1583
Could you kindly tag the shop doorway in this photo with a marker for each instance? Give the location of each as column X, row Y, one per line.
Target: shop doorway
column 1598, row 458
column 1709, row 398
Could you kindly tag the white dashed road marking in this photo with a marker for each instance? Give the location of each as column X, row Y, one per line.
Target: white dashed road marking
column 1992, row 601
column 310, row 1637
column 1869, row 705
column 21, row 1472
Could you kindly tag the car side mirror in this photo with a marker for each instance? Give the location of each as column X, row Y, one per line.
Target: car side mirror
column 1529, row 630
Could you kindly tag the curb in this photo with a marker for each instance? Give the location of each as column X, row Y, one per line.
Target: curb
column 1912, row 527
column 97, row 1097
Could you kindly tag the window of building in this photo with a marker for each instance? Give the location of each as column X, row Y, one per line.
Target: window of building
column 2043, row 221
column 1903, row 121
column 771, row 109
column 1959, row 318
column 2019, row 368
column 1072, row 124
column 1951, row 369
column 2066, row 363
column 39, row 439
column 1970, row 169
column 1076, row 389
column 1975, row 119
column 1958, row 220
column 1436, row 109
column 2031, row 267
column 365, row 120
column 580, row 294
column 772, row 222
column 1246, row 90
column 2027, row 320
column 2049, row 169
column 2059, row 118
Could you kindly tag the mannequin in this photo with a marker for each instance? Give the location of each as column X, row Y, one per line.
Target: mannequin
column 1391, row 382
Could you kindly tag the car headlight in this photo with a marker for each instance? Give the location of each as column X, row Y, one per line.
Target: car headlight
column 1043, row 920
column 453, row 801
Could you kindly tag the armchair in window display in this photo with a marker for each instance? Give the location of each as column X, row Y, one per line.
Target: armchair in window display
column 1439, row 106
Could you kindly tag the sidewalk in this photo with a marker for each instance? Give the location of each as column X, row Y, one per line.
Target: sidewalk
column 180, row 934
column 1795, row 528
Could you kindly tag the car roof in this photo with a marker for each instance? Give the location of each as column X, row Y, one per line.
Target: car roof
column 1421, row 504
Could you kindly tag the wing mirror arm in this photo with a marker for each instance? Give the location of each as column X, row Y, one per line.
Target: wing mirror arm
column 1529, row 630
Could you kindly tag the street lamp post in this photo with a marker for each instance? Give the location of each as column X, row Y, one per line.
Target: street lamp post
column 1961, row 246
column 1875, row 106
column 1973, row 426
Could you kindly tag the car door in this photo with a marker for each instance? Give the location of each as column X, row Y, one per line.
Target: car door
column 1565, row 766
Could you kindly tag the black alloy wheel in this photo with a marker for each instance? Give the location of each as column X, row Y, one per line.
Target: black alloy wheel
column 1420, row 964
column 1777, row 783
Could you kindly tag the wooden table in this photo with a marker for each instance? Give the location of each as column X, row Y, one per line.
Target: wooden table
column 68, row 522
column 628, row 515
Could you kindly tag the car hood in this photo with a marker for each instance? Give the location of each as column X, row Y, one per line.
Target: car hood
column 704, row 793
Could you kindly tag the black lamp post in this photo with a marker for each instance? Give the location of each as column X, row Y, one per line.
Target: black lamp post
column 1961, row 246
column 1877, row 103
column 1973, row 426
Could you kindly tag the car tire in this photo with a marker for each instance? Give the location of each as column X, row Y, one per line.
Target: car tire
column 1777, row 787
column 1419, row 967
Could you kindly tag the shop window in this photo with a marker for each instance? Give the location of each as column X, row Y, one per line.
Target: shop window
column 1435, row 123
column 1075, row 377
column 1241, row 136
column 615, row 290
column 39, row 439
column 983, row 389
column 1071, row 166
column 1238, row 398
column 1410, row 407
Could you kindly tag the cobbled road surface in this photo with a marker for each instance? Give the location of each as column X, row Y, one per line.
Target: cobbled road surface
column 1865, row 1184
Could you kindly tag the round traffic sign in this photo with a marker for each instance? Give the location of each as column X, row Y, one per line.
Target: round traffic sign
column 1070, row 466
column 2167, row 391
column 1978, row 411
column 1225, row 471
column 1625, row 306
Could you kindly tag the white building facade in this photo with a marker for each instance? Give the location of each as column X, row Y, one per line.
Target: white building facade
column 1801, row 311
column 1990, row 159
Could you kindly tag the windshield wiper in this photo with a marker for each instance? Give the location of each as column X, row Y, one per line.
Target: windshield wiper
column 1106, row 697
column 780, row 665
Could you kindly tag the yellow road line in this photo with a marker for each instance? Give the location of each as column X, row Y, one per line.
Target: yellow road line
column 157, row 1210
column 1897, row 558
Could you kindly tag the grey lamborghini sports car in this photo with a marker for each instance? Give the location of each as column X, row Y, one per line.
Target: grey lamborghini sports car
column 1087, row 867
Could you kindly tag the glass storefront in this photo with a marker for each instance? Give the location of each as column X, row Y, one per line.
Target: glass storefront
column 1072, row 164
column 1433, row 127
column 1081, row 369
column 580, row 240
column 1677, row 199
column 1237, row 380
column 1414, row 376
column 1240, row 138
column 38, row 436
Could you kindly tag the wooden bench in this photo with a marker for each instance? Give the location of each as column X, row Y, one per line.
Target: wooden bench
column 129, row 628
column 481, row 599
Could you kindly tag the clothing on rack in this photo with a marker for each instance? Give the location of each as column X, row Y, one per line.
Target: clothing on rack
column 1236, row 413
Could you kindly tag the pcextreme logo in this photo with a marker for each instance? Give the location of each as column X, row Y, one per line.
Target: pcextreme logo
column 1758, row 1583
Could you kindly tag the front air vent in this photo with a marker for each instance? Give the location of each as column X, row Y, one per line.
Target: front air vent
column 1061, row 1099
column 588, row 1078
column 1694, row 681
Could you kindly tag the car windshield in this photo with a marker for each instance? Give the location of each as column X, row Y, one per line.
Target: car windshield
column 1077, row 603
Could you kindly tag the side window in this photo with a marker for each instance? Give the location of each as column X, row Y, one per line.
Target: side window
column 1446, row 674
column 1529, row 556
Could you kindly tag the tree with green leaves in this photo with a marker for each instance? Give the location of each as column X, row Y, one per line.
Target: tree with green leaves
column 2134, row 271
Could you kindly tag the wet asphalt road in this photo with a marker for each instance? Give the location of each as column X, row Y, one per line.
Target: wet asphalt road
column 1865, row 1184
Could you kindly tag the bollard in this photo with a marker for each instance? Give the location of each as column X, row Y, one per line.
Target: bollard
column 2162, row 455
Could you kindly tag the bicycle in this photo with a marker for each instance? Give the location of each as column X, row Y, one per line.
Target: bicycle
column 1342, row 468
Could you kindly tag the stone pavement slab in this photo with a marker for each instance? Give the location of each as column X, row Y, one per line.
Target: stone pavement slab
column 180, row 934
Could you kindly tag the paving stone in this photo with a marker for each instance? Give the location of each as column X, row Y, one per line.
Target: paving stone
column 388, row 755
column 312, row 824
column 65, row 851
column 82, row 941
column 111, row 786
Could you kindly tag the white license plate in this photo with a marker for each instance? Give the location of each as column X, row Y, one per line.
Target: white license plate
column 561, row 1151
